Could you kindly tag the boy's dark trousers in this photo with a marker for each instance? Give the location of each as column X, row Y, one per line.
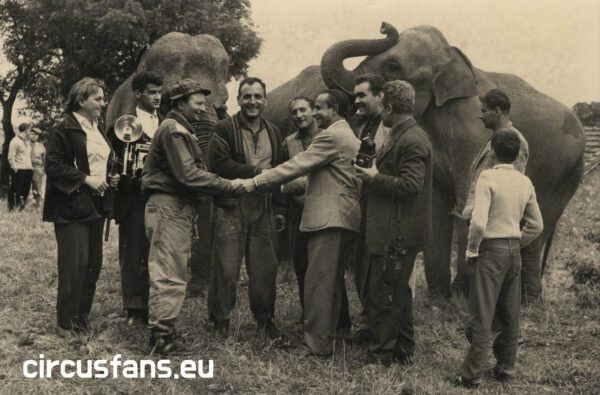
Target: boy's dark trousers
column 495, row 287
column 20, row 185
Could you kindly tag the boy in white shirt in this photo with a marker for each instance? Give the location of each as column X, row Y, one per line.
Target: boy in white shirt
column 38, row 155
column 504, row 198
column 19, row 159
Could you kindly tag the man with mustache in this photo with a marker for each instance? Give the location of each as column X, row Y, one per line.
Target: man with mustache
column 242, row 147
column 301, row 110
column 367, row 93
column 129, row 202
column 331, row 217
column 398, row 224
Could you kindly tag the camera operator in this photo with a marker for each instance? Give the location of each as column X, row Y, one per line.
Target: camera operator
column 398, row 221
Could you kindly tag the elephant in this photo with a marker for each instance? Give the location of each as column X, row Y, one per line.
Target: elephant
column 175, row 56
column 447, row 105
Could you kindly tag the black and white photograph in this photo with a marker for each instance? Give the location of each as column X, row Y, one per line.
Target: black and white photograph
column 273, row 196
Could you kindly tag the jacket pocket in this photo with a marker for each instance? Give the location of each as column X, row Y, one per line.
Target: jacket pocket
column 410, row 230
column 78, row 205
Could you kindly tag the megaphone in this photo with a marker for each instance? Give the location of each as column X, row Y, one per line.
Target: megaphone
column 128, row 129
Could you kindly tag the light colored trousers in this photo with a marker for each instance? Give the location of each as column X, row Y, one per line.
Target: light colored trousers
column 168, row 221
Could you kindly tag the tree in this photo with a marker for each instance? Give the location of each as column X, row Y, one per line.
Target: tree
column 588, row 113
column 32, row 63
column 53, row 43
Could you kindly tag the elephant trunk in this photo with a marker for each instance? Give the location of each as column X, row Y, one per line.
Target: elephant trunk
column 203, row 129
column 335, row 75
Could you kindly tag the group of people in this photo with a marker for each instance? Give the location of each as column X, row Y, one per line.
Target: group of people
column 310, row 182
column 26, row 155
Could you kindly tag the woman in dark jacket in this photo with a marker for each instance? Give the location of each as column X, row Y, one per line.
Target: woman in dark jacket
column 77, row 200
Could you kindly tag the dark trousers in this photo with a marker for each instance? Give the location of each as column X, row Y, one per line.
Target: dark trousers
column 20, row 185
column 299, row 244
column 361, row 280
column 79, row 264
column 495, row 288
column 390, row 308
column 200, row 259
column 133, row 256
column 245, row 232
column 325, row 297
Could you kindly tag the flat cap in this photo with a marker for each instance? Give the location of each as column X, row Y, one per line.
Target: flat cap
column 185, row 87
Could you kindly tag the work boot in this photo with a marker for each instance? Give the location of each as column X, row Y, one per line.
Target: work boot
column 472, row 384
column 162, row 344
column 269, row 328
column 221, row 328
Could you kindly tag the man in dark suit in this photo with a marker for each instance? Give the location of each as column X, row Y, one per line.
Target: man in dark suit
column 367, row 94
column 331, row 217
column 130, row 204
column 398, row 223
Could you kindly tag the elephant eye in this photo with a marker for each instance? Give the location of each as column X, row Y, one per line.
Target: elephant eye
column 393, row 67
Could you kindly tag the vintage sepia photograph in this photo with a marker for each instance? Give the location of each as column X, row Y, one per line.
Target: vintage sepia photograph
column 273, row 196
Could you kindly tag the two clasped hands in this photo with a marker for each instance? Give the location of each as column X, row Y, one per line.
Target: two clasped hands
column 248, row 186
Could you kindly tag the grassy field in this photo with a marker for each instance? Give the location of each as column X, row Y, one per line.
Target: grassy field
column 560, row 353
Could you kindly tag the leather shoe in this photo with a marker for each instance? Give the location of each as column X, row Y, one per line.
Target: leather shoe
column 459, row 380
column 269, row 328
column 221, row 328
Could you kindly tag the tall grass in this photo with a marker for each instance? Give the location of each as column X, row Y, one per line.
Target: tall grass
column 560, row 352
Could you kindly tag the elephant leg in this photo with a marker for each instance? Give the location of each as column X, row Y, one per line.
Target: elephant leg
column 531, row 271
column 461, row 281
column 438, row 252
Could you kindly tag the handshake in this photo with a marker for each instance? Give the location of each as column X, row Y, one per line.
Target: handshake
column 240, row 185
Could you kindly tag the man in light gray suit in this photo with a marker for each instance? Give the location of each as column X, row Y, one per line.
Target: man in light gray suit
column 331, row 217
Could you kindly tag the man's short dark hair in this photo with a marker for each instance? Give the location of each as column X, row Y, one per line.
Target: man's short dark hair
column 400, row 95
column 375, row 82
column 506, row 146
column 24, row 127
column 311, row 102
column 338, row 99
column 252, row 81
column 144, row 78
column 496, row 98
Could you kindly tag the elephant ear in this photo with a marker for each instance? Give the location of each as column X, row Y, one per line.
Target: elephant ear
column 455, row 79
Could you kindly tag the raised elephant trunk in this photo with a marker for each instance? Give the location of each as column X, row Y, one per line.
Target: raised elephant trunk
column 335, row 75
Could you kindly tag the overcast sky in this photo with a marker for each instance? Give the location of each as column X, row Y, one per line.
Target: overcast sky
column 552, row 44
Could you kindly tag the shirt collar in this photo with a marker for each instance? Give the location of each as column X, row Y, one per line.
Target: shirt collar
column 244, row 124
column 313, row 130
column 341, row 120
column 84, row 122
column 140, row 111
column 508, row 166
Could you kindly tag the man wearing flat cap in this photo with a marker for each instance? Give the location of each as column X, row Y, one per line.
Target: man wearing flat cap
column 174, row 176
